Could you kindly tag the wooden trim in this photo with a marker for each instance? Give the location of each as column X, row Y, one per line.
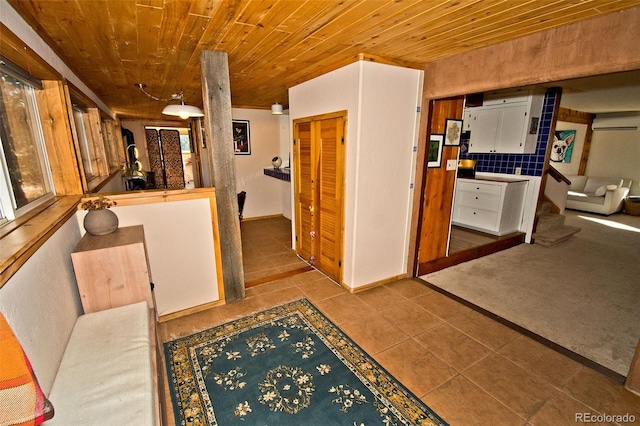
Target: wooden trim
column 102, row 183
column 27, row 236
column 336, row 114
column 58, row 138
column 375, row 284
column 574, row 116
column 18, row 52
column 473, row 253
column 270, row 216
column 559, row 177
column 190, row 311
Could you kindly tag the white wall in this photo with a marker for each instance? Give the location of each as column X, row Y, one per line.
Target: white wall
column 381, row 102
column 179, row 239
column 41, row 302
column 616, row 153
column 264, row 193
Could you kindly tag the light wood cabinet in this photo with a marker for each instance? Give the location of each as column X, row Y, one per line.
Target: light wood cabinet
column 492, row 206
column 113, row 270
column 505, row 123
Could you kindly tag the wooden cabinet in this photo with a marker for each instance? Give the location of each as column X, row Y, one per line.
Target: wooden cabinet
column 493, row 206
column 507, row 122
column 113, row 270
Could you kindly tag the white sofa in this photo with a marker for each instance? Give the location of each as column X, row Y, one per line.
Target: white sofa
column 106, row 376
column 600, row 195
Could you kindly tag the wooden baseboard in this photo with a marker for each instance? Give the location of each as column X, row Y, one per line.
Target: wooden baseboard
column 189, row 311
column 373, row 284
column 271, row 216
column 470, row 254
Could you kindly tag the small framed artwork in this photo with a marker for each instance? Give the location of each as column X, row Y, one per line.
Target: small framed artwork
column 452, row 132
column 435, row 151
column 241, row 137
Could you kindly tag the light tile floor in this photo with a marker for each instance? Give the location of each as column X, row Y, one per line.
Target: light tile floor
column 467, row 367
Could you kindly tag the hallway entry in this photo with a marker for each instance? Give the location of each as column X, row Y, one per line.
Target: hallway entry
column 318, row 155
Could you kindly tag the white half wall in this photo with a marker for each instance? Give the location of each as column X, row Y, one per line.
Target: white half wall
column 41, row 302
column 381, row 102
column 179, row 239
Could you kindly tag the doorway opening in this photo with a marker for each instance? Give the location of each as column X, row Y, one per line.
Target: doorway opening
column 171, row 156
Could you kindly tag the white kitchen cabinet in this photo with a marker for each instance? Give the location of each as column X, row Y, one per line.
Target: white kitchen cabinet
column 507, row 122
column 489, row 205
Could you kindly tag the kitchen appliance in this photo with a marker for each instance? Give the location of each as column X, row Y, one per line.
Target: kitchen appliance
column 467, row 168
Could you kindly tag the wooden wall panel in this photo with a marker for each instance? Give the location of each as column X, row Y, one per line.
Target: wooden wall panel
column 58, row 138
column 438, row 187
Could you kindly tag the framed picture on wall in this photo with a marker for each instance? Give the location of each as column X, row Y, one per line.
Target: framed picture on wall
column 435, row 151
column 452, row 132
column 241, row 137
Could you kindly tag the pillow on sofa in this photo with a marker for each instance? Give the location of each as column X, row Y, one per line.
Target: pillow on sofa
column 601, row 191
column 21, row 399
column 593, row 183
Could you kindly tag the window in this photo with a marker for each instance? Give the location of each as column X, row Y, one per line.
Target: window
column 25, row 181
column 89, row 161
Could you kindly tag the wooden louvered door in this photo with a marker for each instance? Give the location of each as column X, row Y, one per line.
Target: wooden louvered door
column 319, row 181
column 304, row 169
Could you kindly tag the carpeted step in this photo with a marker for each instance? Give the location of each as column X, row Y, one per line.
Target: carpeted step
column 555, row 235
column 545, row 207
column 549, row 221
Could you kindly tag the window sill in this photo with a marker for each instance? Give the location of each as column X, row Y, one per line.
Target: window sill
column 20, row 238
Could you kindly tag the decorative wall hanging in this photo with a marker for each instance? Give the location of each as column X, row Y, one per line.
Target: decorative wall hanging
column 562, row 146
column 452, row 131
column 435, row 151
column 241, row 137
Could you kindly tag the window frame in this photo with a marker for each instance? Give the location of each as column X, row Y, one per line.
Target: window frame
column 9, row 209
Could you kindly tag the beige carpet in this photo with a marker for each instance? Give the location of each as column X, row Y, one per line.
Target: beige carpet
column 583, row 294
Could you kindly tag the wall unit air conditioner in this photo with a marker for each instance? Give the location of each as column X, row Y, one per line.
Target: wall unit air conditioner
column 617, row 121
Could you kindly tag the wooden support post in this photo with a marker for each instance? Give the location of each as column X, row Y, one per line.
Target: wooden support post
column 216, row 94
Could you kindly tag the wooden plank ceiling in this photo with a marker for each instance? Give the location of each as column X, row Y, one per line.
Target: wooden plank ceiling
column 272, row 44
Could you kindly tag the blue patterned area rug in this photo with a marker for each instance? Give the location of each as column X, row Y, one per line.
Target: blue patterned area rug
column 288, row 365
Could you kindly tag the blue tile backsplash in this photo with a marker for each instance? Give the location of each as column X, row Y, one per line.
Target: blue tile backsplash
column 531, row 164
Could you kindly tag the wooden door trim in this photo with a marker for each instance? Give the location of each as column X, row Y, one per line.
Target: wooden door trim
column 336, row 114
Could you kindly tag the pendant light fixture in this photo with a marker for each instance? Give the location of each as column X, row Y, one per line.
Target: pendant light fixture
column 181, row 110
column 276, row 109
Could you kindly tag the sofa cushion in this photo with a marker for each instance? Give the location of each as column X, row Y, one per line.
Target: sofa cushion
column 577, row 183
column 106, row 375
column 593, row 183
column 601, row 191
column 584, row 198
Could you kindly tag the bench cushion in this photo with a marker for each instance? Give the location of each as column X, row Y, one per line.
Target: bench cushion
column 106, row 375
